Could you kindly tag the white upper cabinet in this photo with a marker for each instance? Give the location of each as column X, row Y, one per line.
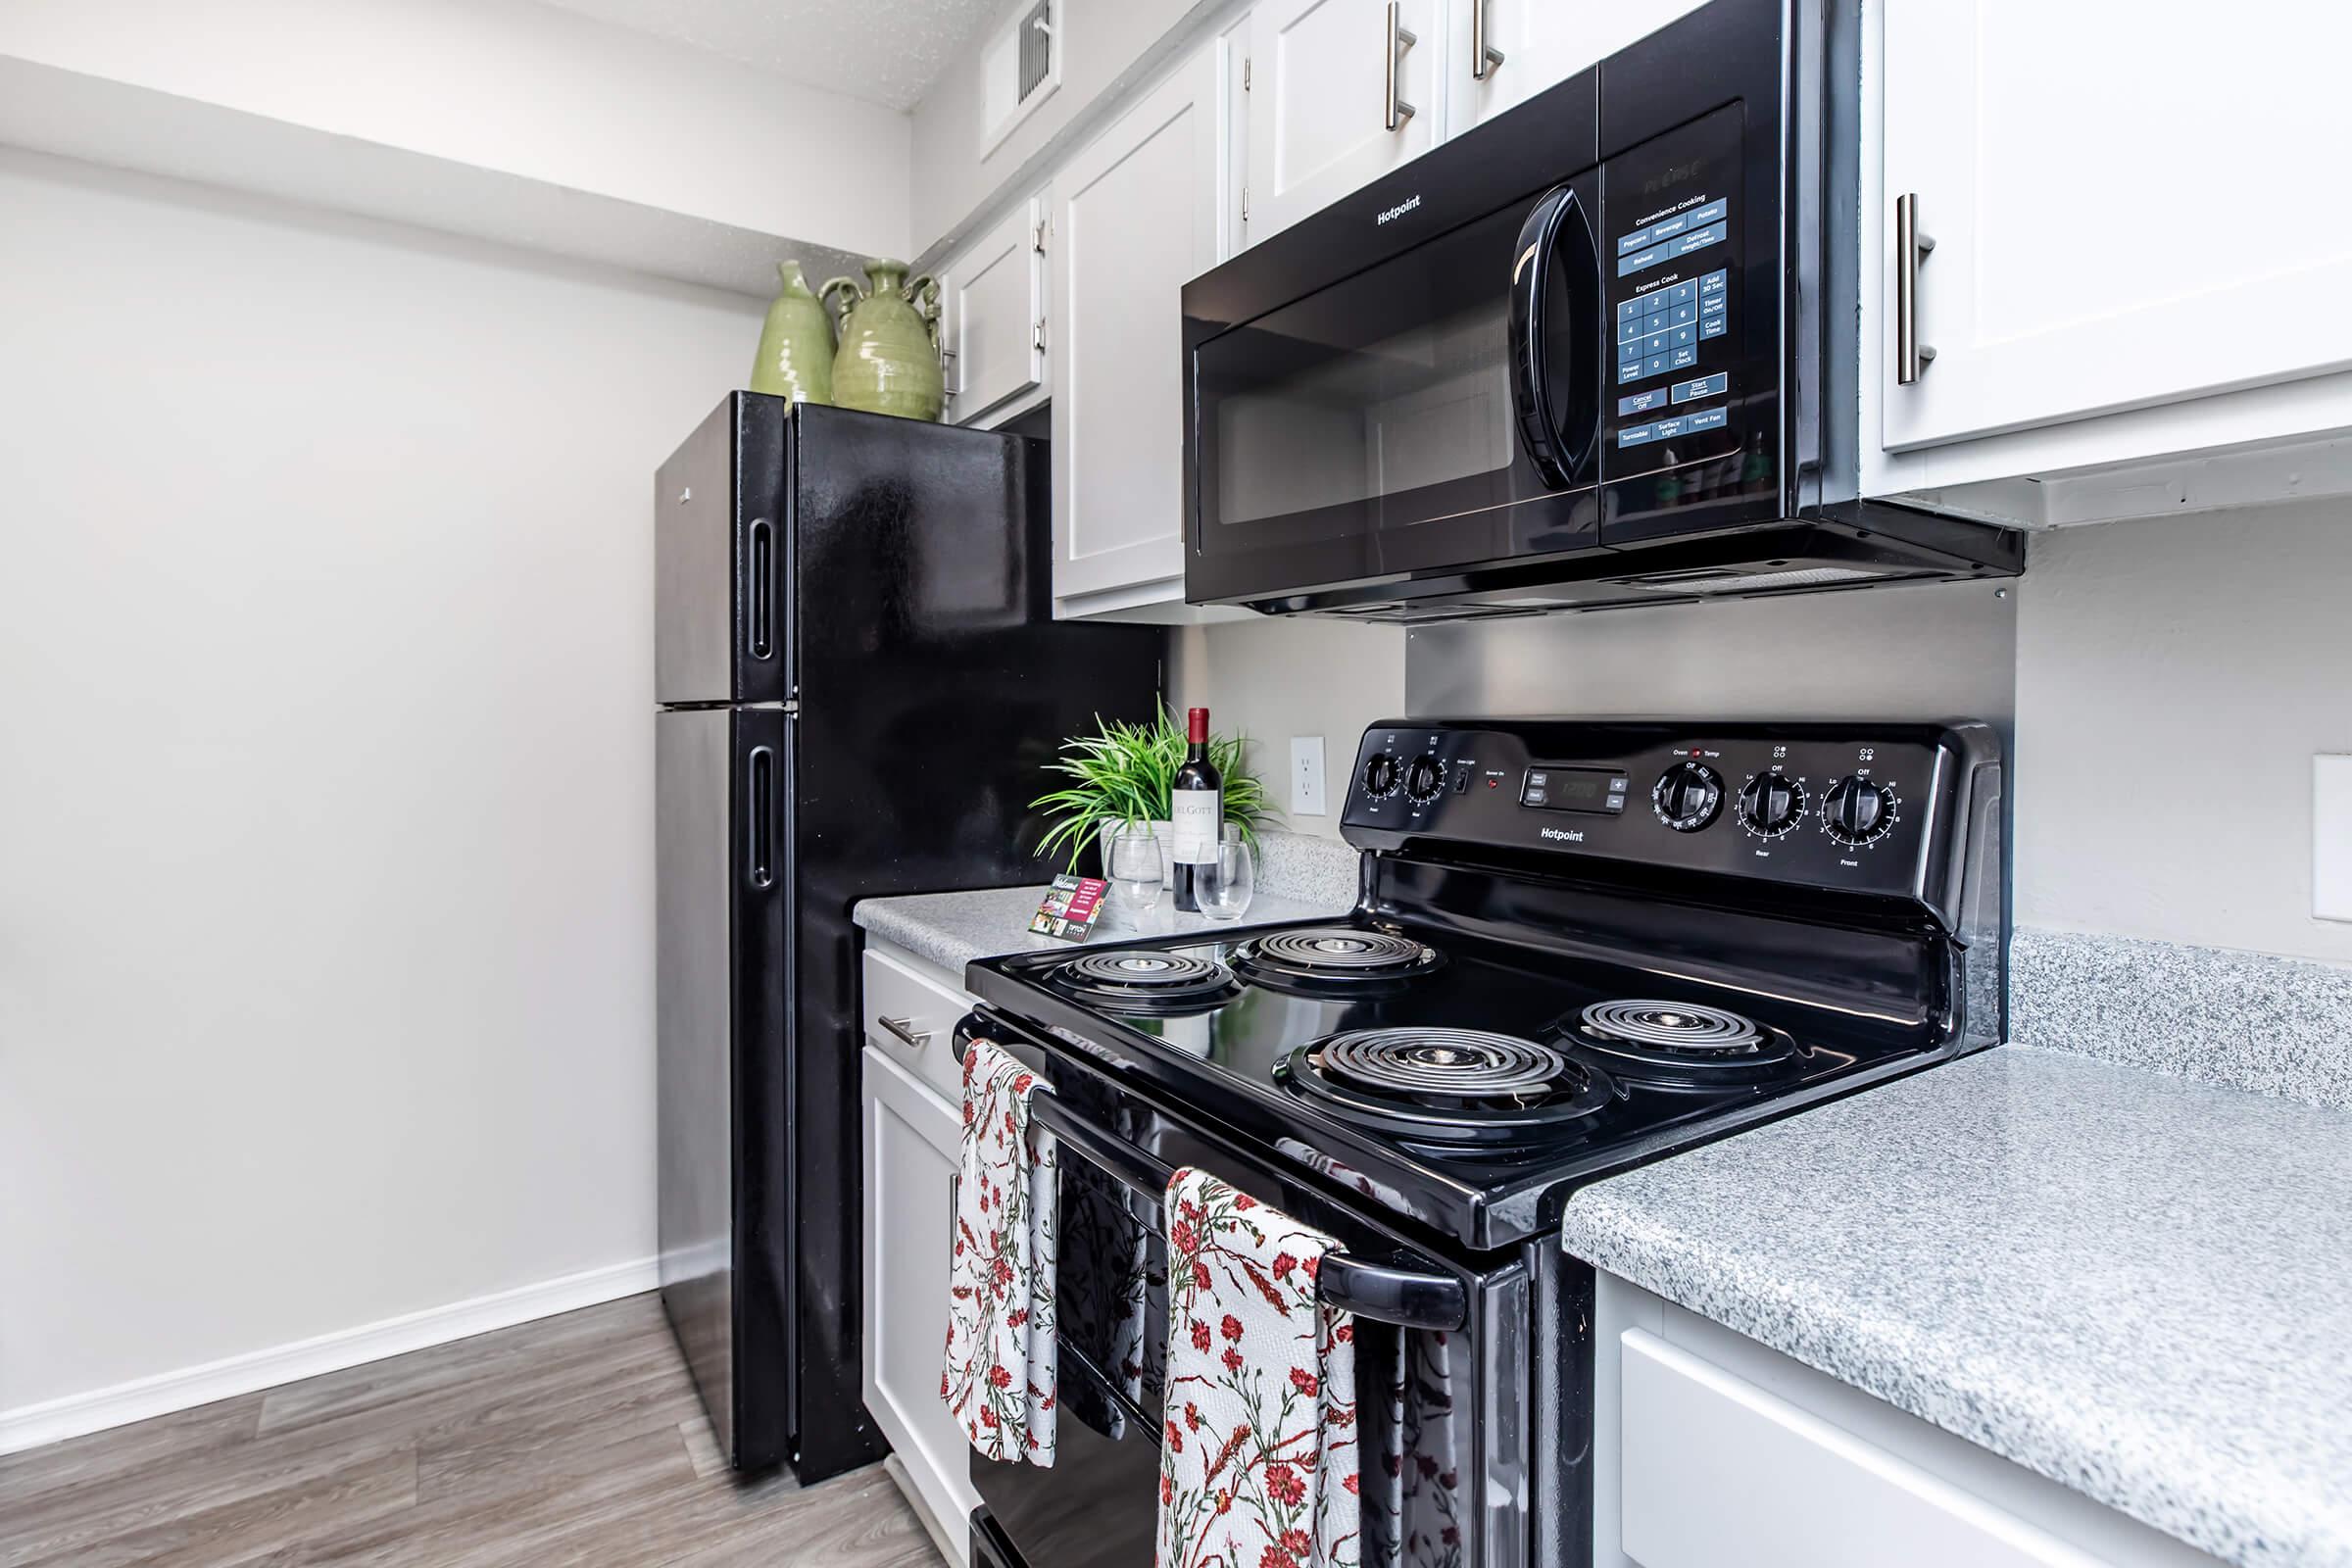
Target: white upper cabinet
column 1541, row 42
column 2124, row 204
column 1329, row 99
column 1136, row 217
column 993, row 318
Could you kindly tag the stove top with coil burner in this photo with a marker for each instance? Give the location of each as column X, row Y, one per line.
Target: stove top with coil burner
column 1334, row 960
column 1154, row 984
column 1517, row 1006
column 1448, row 1087
column 1679, row 1045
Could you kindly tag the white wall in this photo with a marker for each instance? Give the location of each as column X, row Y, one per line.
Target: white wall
column 1277, row 677
column 522, row 89
column 325, row 848
column 2174, row 679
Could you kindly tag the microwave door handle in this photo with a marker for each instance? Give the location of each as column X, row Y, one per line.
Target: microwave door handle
column 1556, row 439
column 1383, row 1292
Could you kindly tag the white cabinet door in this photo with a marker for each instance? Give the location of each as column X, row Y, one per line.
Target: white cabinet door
column 994, row 315
column 1542, row 42
column 1318, row 101
column 910, row 1156
column 1135, row 220
column 2124, row 205
column 1786, row 1488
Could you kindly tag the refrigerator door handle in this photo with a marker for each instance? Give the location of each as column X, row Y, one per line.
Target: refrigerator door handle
column 763, row 588
column 760, row 843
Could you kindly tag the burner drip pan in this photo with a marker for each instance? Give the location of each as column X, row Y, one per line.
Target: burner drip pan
column 1449, row 1086
column 1156, row 984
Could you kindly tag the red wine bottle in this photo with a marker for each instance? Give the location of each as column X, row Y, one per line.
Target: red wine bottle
column 1196, row 810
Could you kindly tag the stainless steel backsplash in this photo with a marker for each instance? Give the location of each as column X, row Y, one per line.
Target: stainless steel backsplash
column 1930, row 652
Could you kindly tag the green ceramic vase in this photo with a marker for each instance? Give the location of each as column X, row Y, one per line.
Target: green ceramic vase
column 888, row 362
column 796, row 345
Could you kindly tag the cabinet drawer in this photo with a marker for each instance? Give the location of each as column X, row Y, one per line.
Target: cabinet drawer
column 1786, row 1488
column 922, row 1012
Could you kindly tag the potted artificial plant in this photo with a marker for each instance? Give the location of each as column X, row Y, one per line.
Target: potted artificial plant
column 1125, row 772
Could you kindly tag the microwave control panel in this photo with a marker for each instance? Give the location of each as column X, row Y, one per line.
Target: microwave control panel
column 1671, row 278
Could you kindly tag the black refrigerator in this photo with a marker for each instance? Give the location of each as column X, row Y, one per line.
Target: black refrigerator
column 858, row 682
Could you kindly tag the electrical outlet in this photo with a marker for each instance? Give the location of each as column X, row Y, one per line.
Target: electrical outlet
column 1307, row 776
column 2331, row 838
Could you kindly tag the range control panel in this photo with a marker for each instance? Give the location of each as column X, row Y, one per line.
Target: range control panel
column 1865, row 807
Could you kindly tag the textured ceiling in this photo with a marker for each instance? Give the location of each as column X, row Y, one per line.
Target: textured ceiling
column 883, row 51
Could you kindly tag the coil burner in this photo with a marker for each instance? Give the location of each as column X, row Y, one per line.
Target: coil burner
column 1156, row 984
column 1333, row 958
column 1674, row 1043
column 1449, row 1086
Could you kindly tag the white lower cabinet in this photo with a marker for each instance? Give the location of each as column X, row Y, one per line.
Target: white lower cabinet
column 1799, row 1470
column 911, row 1134
column 1137, row 216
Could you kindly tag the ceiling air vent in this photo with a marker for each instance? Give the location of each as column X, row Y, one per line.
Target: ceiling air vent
column 1037, row 47
column 1020, row 65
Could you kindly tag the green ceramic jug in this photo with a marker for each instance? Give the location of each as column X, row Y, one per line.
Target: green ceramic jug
column 796, row 345
column 889, row 357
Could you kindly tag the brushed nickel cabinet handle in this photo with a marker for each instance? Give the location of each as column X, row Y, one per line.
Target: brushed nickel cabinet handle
column 1399, row 40
column 1911, row 247
column 1483, row 57
column 905, row 1032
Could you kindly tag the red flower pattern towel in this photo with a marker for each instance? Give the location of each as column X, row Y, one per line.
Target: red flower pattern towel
column 1258, row 1462
column 998, row 1379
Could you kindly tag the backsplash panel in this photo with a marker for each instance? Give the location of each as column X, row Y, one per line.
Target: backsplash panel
column 1932, row 652
column 2244, row 1020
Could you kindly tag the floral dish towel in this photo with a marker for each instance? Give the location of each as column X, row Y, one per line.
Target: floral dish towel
column 999, row 1380
column 1258, row 1462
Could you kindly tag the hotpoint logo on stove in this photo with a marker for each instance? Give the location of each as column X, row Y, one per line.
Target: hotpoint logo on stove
column 1566, row 835
column 1397, row 212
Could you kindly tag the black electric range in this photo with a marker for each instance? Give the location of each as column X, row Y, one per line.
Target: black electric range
column 1578, row 947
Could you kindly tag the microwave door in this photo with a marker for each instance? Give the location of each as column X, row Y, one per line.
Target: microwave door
column 1555, row 320
column 1372, row 431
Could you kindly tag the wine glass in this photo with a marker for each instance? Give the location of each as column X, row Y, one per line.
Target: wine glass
column 1136, row 869
column 1225, row 884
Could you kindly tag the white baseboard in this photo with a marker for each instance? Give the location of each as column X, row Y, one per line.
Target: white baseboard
column 54, row 1420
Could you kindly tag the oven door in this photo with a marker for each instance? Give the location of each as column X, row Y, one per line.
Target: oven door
column 1437, row 1409
column 1435, row 411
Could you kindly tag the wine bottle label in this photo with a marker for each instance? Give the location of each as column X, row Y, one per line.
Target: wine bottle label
column 1195, row 816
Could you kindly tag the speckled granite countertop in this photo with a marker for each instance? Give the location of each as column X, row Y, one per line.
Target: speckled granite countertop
column 952, row 929
column 2136, row 1285
column 1301, row 877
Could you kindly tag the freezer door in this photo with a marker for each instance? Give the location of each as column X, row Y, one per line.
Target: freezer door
column 723, row 560
column 724, row 971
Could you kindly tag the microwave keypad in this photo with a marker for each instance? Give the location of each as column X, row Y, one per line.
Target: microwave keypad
column 1659, row 332
column 1670, row 238
column 1668, row 300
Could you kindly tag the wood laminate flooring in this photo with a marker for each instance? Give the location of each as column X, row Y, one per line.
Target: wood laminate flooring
column 575, row 1439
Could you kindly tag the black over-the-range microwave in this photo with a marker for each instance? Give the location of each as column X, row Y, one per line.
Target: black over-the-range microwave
column 1600, row 350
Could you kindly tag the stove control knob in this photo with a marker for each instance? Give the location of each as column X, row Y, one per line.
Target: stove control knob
column 1771, row 804
column 1688, row 796
column 1858, row 811
column 1424, row 779
column 1381, row 776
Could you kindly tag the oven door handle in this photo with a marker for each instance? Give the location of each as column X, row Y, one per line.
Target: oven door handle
column 1383, row 1292
column 1556, row 235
